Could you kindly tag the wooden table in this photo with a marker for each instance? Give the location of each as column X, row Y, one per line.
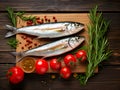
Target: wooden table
column 108, row 77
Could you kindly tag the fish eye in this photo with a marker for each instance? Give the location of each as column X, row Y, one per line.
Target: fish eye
column 78, row 37
column 77, row 24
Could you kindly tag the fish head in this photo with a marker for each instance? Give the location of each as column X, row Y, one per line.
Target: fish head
column 75, row 41
column 75, row 27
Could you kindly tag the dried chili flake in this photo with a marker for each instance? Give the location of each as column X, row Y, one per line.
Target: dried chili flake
column 28, row 40
column 37, row 18
column 42, row 20
column 55, row 20
column 22, row 47
column 35, row 44
column 54, row 17
column 48, row 20
column 25, row 44
column 29, row 47
column 30, row 22
column 20, row 43
column 39, row 21
column 45, row 17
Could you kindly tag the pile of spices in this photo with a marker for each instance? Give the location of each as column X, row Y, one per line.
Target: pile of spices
column 28, row 64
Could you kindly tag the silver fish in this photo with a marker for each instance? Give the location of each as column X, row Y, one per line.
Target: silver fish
column 53, row 49
column 48, row 30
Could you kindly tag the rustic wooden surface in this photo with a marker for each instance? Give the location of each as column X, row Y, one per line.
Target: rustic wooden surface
column 109, row 75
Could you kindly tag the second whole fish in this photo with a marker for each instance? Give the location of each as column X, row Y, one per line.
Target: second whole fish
column 48, row 30
column 53, row 49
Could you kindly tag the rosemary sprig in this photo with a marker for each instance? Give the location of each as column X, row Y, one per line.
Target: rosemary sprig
column 97, row 50
column 24, row 18
column 11, row 16
column 12, row 42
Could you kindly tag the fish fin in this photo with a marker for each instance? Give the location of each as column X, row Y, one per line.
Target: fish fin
column 11, row 32
column 19, row 55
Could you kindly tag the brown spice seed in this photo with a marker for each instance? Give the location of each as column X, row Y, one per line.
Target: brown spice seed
column 22, row 47
column 35, row 44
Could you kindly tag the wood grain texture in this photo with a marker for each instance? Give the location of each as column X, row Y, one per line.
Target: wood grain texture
column 34, row 81
column 107, row 79
column 60, row 5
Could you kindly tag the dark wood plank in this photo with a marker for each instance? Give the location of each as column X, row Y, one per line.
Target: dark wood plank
column 107, row 78
column 60, row 5
column 6, row 57
column 93, row 86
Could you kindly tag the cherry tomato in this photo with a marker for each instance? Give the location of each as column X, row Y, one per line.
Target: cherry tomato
column 70, row 60
column 55, row 64
column 15, row 75
column 41, row 66
column 81, row 55
column 65, row 72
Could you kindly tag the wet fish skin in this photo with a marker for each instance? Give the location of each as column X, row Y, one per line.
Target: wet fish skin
column 53, row 49
column 48, row 30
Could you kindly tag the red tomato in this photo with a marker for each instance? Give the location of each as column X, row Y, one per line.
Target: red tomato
column 41, row 66
column 15, row 75
column 70, row 60
column 81, row 55
column 55, row 64
column 65, row 72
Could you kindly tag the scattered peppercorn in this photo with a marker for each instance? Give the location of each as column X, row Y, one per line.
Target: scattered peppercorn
column 45, row 17
column 29, row 22
column 53, row 76
column 48, row 20
column 29, row 47
column 54, row 17
column 37, row 18
column 22, row 47
column 75, row 75
column 35, row 44
column 55, row 20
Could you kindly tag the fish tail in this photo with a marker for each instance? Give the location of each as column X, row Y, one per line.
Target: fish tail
column 19, row 55
column 12, row 31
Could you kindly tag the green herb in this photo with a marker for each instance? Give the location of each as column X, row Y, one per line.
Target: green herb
column 11, row 16
column 81, row 78
column 12, row 42
column 97, row 50
column 24, row 18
